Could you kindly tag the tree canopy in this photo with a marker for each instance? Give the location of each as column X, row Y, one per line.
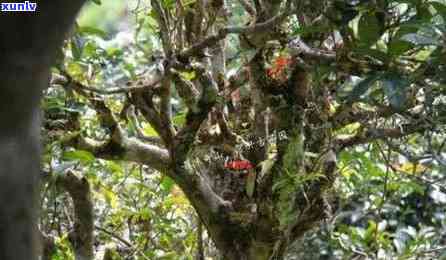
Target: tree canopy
column 248, row 130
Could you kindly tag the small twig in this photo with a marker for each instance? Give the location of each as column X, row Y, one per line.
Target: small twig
column 196, row 49
column 122, row 240
column 63, row 80
column 248, row 7
column 299, row 47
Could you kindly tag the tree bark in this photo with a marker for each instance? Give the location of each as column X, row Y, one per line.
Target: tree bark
column 249, row 254
column 48, row 247
column 81, row 237
column 200, row 249
column 28, row 45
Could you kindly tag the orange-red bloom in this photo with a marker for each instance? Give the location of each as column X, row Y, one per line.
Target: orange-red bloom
column 239, row 165
column 279, row 66
column 282, row 61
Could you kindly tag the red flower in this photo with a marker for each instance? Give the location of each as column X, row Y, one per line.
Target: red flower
column 280, row 64
column 282, row 61
column 239, row 165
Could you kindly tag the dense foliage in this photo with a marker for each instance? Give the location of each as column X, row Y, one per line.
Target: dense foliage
column 248, row 130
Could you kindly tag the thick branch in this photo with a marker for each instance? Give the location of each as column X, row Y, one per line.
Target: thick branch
column 143, row 101
column 129, row 149
column 81, row 237
column 248, row 7
column 197, row 188
column 350, row 115
column 119, row 146
column 373, row 134
column 195, row 116
column 166, row 112
column 186, row 90
column 137, row 86
column 297, row 46
column 139, row 131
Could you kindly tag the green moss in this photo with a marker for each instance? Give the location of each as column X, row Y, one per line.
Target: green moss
column 288, row 181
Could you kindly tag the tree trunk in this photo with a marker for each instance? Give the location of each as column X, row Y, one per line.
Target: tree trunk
column 28, row 45
column 254, row 252
column 200, row 249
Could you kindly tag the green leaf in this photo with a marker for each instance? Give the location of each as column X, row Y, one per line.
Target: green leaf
column 88, row 30
column 419, row 39
column 149, row 130
column 395, row 89
column 91, row 49
column 188, row 2
column 397, row 46
column 113, row 52
column 82, row 156
column 371, row 231
column 369, row 29
column 179, row 119
column 423, row 13
column 151, row 22
column 168, row 4
column 110, row 197
column 361, row 88
column 114, row 167
column 77, row 46
column 145, row 214
column 76, row 69
column 167, row 184
column 98, row 2
column 188, row 75
column 440, row 8
column 376, row 54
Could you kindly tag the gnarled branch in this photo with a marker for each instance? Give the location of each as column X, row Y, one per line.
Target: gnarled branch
column 81, row 237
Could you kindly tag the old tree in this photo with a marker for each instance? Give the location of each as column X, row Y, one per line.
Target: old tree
column 204, row 88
